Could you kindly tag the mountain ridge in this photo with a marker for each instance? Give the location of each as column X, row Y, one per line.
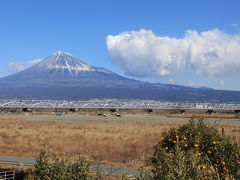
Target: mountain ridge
column 62, row 76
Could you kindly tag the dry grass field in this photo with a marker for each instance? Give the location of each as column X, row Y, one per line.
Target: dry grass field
column 110, row 141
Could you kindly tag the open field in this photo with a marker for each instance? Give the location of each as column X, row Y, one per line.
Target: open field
column 113, row 140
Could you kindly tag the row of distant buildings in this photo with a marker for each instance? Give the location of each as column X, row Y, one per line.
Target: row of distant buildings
column 113, row 103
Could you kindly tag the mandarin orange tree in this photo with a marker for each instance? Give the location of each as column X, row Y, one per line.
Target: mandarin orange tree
column 196, row 150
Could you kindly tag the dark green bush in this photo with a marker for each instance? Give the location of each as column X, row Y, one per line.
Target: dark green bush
column 196, row 150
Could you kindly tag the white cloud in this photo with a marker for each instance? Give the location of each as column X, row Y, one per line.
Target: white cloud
column 194, row 84
column 143, row 54
column 172, row 81
column 235, row 24
column 15, row 66
column 221, row 83
column 33, row 62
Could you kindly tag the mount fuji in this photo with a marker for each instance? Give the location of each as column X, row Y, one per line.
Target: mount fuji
column 62, row 76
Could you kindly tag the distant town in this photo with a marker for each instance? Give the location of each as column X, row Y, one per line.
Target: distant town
column 114, row 103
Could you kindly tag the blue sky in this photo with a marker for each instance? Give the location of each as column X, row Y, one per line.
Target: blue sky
column 31, row 30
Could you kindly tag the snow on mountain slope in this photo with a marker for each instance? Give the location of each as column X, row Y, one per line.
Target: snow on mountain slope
column 65, row 61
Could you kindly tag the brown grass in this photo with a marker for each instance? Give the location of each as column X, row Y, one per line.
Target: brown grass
column 113, row 142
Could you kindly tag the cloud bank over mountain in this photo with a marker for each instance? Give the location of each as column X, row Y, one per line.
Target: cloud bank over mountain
column 143, row 54
column 15, row 66
column 21, row 65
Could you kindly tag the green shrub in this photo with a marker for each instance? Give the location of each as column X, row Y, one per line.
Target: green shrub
column 196, row 150
column 62, row 168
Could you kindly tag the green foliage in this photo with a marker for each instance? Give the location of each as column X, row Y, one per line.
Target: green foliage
column 62, row 168
column 144, row 174
column 195, row 151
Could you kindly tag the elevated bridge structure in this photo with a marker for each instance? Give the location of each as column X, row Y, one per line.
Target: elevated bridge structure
column 120, row 104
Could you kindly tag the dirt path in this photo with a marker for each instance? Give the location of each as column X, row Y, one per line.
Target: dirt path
column 104, row 169
column 86, row 119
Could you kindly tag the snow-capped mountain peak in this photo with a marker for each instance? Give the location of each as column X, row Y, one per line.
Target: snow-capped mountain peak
column 61, row 53
column 64, row 61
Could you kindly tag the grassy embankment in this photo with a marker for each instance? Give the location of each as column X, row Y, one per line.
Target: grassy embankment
column 113, row 142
